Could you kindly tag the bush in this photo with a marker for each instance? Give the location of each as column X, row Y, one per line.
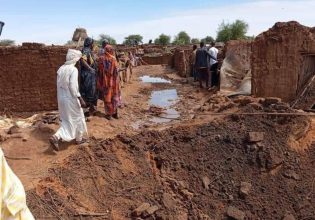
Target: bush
column 208, row 39
column 195, row 41
column 134, row 39
column 163, row 40
column 182, row 38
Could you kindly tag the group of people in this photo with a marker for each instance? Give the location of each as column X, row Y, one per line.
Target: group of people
column 99, row 77
column 204, row 64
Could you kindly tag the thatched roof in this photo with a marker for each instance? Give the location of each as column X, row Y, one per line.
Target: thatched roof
column 79, row 32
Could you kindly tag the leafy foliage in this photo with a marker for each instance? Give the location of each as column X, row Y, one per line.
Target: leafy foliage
column 208, row 39
column 163, row 40
column 134, row 39
column 182, row 38
column 103, row 37
column 7, row 42
column 234, row 31
column 195, row 41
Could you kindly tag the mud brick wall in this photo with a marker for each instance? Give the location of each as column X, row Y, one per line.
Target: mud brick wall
column 281, row 61
column 165, row 59
column 28, row 77
column 181, row 62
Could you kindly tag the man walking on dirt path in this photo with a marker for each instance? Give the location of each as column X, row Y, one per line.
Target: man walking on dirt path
column 70, row 103
column 215, row 79
column 202, row 64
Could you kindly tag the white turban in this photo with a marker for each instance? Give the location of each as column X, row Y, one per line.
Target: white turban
column 73, row 56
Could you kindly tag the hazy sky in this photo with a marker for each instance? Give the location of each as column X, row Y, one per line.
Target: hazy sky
column 53, row 21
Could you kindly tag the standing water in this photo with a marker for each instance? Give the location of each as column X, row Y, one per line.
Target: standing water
column 165, row 99
column 149, row 79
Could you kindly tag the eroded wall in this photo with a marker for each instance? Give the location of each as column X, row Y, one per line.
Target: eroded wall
column 28, row 77
column 279, row 60
column 181, row 61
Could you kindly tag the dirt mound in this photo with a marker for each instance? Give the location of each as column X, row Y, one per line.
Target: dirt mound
column 240, row 167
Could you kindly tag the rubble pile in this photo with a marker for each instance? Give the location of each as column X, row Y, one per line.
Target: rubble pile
column 239, row 167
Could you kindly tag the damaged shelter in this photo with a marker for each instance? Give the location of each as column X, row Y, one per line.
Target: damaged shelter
column 278, row 63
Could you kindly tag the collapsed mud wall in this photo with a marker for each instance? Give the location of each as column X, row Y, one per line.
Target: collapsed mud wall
column 283, row 60
column 28, row 77
column 307, row 100
column 236, row 64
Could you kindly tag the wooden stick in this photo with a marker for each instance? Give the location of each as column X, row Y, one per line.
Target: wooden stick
column 91, row 214
column 303, row 92
column 17, row 158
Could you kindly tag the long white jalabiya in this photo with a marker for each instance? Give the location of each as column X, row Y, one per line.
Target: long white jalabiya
column 73, row 125
column 12, row 195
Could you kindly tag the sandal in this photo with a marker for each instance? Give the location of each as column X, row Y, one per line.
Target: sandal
column 54, row 143
column 84, row 140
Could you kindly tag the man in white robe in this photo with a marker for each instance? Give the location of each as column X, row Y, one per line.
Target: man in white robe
column 70, row 103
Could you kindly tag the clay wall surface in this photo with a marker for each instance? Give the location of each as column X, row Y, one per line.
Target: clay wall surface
column 28, row 77
column 165, row 59
column 281, row 60
column 181, row 62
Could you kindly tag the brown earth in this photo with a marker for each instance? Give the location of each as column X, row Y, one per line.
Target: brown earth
column 240, row 158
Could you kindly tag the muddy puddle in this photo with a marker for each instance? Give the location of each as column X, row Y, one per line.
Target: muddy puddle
column 165, row 99
column 149, row 79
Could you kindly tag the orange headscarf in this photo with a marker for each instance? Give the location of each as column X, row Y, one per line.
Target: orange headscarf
column 109, row 49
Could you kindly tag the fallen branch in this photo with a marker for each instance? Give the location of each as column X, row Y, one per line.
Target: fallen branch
column 91, row 214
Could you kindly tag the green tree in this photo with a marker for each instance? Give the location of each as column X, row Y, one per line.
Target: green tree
column 7, row 42
column 134, row 39
column 195, row 41
column 182, row 38
column 103, row 37
column 163, row 40
column 234, row 31
column 208, row 39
